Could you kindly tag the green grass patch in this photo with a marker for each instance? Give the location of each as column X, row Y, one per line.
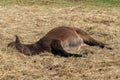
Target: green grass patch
column 37, row 2
column 20, row 2
column 105, row 3
column 100, row 3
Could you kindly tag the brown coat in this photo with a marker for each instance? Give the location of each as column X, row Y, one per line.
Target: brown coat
column 59, row 41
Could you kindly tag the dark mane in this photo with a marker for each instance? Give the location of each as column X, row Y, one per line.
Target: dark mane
column 59, row 41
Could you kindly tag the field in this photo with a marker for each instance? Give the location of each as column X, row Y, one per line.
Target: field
column 31, row 22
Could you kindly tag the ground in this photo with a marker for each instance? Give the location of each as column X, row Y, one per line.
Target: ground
column 30, row 23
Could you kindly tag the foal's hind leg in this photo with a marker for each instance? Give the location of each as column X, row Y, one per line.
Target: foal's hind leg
column 88, row 39
column 57, row 49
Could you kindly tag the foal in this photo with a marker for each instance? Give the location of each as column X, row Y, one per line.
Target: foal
column 59, row 41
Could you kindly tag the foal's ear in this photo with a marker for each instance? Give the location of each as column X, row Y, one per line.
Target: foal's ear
column 17, row 40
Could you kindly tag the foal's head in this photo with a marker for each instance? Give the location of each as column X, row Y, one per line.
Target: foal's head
column 27, row 49
column 14, row 43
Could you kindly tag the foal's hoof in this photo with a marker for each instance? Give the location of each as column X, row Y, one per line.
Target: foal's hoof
column 84, row 55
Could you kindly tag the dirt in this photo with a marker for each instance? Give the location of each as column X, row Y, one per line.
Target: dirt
column 30, row 23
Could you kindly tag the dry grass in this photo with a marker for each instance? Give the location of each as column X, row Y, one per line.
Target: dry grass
column 33, row 22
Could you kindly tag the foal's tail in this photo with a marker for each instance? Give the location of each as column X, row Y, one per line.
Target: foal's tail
column 57, row 49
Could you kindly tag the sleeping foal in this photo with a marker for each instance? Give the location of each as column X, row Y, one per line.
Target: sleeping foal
column 59, row 41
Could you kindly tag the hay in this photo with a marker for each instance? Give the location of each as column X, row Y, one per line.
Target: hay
column 33, row 22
